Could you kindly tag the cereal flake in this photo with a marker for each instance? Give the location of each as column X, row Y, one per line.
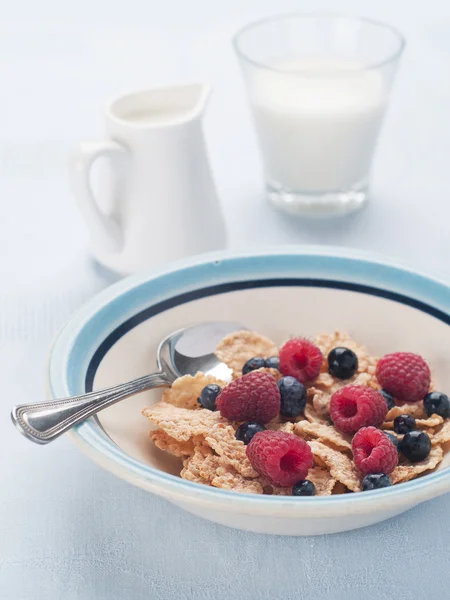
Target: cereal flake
column 313, row 416
column 339, row 465
column 274, row 372
column 415, row 410
column 322, row 479
column 320, row 402
column 201, row 467
column 339, row 488
column 443, row 435
column 221, row 438
column 323, row 433
column 405, row 472
column 182, row 423
column 277, row 424
column 433, row 421
column 227, row 478
column 186, row 390
column 237, row 348
column 164, row 441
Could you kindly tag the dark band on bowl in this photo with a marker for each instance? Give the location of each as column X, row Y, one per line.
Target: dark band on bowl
column 234, row 286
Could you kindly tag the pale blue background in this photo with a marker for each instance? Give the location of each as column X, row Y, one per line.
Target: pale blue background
column 68, row 530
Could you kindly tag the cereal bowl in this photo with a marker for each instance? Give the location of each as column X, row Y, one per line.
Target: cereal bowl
column 114, row 338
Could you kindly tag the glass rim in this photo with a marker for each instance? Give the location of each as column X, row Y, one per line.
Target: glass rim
column 319, row 15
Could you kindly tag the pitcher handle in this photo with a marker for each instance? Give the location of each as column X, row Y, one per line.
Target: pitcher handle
column 103, row 229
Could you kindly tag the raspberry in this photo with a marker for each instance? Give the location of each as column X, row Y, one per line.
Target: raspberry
column 356, row 406
column 404, row 375
column 373, row 451
column 252, row 397
column 301, row 359
column 282, row 457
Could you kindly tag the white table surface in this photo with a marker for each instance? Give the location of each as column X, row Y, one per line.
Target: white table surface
column 69, row 530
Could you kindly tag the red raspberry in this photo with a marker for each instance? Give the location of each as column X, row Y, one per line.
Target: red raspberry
column 373, row 451
column 301, row 359
column 356, row 406
column 282, row 457
column 404, row 375
column 252, row 397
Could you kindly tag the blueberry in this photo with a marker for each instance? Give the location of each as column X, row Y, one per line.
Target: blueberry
column 415, row 446
column 437, row 403
column 342, row 363
column 293, row 396
column 375, row 481
column 272, row 363
column 254, row 363
column 246, row 431
column 208, row 396
column 304, row 488
column 389, row 399
column 404, row 424
column 393, row 439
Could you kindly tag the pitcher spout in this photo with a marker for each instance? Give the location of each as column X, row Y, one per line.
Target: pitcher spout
column 162, row 106
column 196, row 97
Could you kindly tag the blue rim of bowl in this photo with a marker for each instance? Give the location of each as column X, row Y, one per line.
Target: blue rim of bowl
column 80, row 342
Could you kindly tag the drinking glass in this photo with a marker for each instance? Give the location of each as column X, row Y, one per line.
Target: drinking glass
column 318, row 87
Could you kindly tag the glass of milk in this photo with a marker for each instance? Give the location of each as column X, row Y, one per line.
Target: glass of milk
column 318, row 88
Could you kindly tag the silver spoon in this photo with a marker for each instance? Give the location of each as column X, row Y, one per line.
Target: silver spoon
column 183, row 352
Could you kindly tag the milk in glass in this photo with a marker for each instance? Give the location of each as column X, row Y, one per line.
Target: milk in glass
column 317, row 122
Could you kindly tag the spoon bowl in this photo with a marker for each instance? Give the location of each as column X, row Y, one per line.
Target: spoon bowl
column 190, row 350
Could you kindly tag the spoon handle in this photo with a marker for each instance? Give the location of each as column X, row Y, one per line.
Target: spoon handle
column 42, row 422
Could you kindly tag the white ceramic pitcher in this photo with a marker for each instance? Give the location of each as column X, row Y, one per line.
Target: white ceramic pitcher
column 156, row 200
